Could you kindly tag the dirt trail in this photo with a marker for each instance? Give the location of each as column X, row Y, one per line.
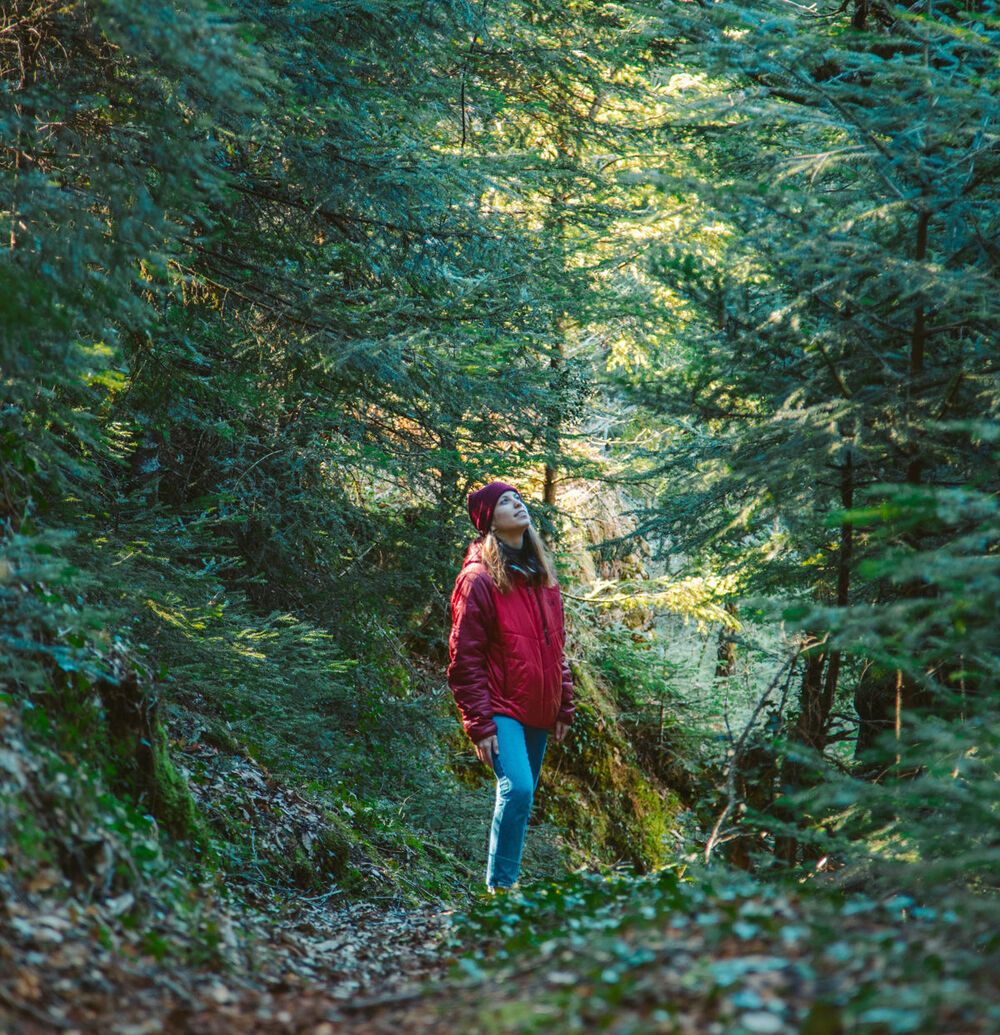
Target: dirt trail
column 320, row 971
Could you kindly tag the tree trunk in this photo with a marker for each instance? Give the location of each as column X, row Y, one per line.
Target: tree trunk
column 556, row 221
column 137, row 743
column 843, row 570
column 918, row 338
column 907, row 692
column 725, row 655
column 810, row 731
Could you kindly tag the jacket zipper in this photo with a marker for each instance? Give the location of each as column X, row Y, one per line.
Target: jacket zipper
column 541, row 614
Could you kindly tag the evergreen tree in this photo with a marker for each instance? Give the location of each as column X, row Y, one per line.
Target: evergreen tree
column 842, row 306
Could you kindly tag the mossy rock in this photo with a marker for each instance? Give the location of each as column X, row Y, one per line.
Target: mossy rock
column 596, row 791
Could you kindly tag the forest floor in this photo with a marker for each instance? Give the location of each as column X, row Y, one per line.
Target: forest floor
column 317, row 968
column 644, row 955
column 681, row 951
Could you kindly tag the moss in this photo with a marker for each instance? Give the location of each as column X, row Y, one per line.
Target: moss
column 169, row 796
column 299, row 869
column 139, row 762
column 331, row 852
column 217, row 733
column 595, row 791
column 354, row 881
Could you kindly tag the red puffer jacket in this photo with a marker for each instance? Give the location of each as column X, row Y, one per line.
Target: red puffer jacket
column 506, row 652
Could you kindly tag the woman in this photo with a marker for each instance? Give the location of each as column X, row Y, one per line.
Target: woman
column 507, row 670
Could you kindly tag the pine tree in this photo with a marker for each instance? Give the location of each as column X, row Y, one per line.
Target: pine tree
column 844, row 307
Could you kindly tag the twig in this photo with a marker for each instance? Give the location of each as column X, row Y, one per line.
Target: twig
column 438, row 988
column 30, row 1011
column 323, row 897
column 35, row 16
column 714, row 837
column 260, row 460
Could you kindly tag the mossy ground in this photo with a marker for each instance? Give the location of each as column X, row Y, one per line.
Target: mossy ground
column 608, row 809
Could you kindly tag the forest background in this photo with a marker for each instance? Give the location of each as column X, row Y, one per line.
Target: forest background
column 714, row 283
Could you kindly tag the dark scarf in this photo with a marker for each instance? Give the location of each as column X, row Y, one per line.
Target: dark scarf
column 522, row 559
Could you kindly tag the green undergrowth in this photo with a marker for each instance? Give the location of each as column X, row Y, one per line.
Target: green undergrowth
column 680, row 950
column 349, row 734
column 368, row 736
column 67, row 837
column 598, row 794
column 61, row 816
column 192, row 737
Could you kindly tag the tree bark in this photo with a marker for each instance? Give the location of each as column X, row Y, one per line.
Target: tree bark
column 844, row 556
column 918, row 340
column 725, row 655
column 810, row 731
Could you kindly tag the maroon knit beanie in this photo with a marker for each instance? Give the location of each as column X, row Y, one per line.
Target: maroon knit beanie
column 483, row 502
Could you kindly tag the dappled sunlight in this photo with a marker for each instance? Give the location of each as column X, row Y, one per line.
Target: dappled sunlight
column 714, row 288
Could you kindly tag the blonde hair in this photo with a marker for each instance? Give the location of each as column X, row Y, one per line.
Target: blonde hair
column 496, row 565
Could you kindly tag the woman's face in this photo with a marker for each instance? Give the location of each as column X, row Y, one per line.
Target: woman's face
column 510, row 514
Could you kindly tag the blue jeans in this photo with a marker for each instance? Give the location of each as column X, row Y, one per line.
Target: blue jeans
column 517, row 766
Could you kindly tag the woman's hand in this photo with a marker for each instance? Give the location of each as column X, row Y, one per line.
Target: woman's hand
column 486, row 749
column 562, row 728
